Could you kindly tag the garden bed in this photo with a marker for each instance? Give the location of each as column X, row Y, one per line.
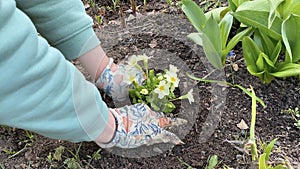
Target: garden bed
column 213, row 118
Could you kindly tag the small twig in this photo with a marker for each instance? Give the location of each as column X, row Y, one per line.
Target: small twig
column 88, row 164
column 209, row 74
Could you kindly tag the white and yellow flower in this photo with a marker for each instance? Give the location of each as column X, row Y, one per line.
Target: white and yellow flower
column 132, row 61
column 130, row 76
column 172, row 78
column 173, row 68
column 162, row 89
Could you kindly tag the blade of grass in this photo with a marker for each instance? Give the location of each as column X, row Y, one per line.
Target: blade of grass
column 252, row 126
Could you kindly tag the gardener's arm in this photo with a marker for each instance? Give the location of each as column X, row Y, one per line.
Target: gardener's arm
column 42, row 92
column 68, row 28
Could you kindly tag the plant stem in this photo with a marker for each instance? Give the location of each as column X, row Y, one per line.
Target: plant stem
column 252, row 126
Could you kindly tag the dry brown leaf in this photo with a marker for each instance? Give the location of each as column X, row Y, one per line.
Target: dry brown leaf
column 242, row 125
column 153, row 43
column 86, row 6
column 235, row 67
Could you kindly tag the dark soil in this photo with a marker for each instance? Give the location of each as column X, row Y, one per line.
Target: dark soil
column 213, row 118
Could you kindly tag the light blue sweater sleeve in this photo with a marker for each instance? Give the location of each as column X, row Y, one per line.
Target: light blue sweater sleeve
column 41, row 91
column 64, row 23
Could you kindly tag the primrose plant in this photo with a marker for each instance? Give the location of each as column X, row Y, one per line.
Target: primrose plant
column 158, row 88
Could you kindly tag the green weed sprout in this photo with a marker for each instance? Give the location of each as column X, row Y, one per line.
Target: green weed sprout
column 157, row 90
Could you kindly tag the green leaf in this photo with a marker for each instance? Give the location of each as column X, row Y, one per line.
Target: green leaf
column 232, row 5
column 255, row 14
column 260, row 64
column 217, row 13
column 225, row 27
column 58, row 153
column 291, row 37
column 168, row 107
column 262, row 162
column 273, row 6
column 296, row 9
column 269, row 148
column 267, row 43
column 212, row 31
column 268, row 61
column 251, row 51
column 287, row 69
column 213, row 56
column 286, row 8
column 213, row 162
column 252, row 125
column 194, row 13
column 275, row 54
column 233, row 41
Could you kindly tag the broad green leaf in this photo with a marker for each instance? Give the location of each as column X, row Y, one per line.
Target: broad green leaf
column 267, row 60
column 250, row 50
column 274, row 56
column 194, row 13
column 233, row 41
column 296, row 9
column 291, row 37
column 269, row 148
column 253, row 70
column 258, row 39
column 212, row 31
column 273, row 6
column 225, row 27
column 262, row 162
column 260, row 62
column 268, row 42
column 233, row 6
column 282, row 8
column 255, row 14
column 213, row 56
column 217, row 13
column 287, row 69
column 287, row 7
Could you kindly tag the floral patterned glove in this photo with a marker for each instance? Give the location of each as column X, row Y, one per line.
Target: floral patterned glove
column 113, row 83
column 138, row 125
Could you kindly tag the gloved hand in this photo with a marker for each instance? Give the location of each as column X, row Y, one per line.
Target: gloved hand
column 138, row 125
column 112, row 82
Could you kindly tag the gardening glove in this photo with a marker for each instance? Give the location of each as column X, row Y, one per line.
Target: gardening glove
column 138, row 125
column 113, row 82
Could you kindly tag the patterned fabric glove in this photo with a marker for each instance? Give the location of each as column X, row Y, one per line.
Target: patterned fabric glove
column 138, row 125
column 113, row 83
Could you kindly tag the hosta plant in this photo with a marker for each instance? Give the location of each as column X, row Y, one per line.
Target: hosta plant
column 268, row 30
column 275, row 25
column 158, row 88
column 213, row 31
